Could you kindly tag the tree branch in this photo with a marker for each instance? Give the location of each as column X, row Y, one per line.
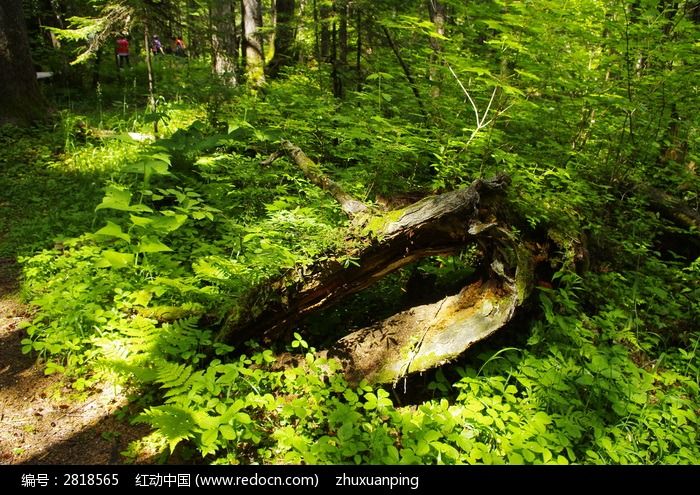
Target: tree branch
column 313, row 172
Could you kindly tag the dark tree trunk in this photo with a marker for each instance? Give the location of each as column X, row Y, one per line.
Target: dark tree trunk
column 285, row 33
column 335, row 72
column 424, row 336
column 343, row 9
column 21, row 101
column 254, row 54
column 325, row 13
column 406, row 71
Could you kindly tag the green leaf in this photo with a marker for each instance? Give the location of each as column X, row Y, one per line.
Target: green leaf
column 168, row 222
column 243, row 418
column 140, row 221
column 209, row 437
column 174, row 423
column 113, row 230
column 152, row 245
column 115, row 259
column 118, row 198
column 228, row 432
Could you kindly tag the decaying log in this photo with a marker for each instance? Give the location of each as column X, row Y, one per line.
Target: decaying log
column 424, row 336
column 674, row 209
column 427, row 336
column 437, row 225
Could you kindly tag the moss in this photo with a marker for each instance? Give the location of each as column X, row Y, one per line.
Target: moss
column 377, row 224
column 524, row 274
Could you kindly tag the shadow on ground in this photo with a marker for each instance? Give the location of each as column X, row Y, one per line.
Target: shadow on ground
column 42, row 420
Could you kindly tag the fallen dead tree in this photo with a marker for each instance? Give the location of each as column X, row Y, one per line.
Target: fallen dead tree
column 421, row 337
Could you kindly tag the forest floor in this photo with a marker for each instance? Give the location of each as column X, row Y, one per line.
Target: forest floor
column 44, row 421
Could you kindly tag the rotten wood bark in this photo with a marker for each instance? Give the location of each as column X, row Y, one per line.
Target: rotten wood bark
column 426, row 336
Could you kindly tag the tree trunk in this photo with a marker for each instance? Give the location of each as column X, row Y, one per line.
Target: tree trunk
column 152, row 103
column 423, row 336
column 343, row 11
column 224, row 49
column 438, row 15
column 285, row 33
column 358, row 49
column 254, row 54
column 337, row 81
column 406, row 71
column 325, row 13
column 430, row 335
column 21, row 101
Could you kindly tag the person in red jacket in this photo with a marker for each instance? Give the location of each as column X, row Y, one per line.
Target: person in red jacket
column 122, row 52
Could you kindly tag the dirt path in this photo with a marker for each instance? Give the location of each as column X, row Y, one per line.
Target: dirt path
column 41, row 422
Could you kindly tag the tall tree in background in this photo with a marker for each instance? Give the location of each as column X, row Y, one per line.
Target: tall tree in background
column 438, row 15
column 325, row 11
column 285, row 33
column 254, row 54
column 224, row 47
column 343, row 7
column 20, row 99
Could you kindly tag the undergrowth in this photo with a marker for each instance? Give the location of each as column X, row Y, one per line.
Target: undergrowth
column 135, row 252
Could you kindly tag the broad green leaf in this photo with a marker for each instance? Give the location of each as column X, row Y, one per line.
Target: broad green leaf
column 115, row 259
column 228, row 432
column 117, row 198
column 152, row 245
column 113, row 230
column 140, row 221
column 168, row 222
column 148, row 167
column 209, row 437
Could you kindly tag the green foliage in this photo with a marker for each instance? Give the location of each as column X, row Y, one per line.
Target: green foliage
column 135, row 251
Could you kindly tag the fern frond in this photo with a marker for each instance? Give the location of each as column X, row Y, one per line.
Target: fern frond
column 172, row 422
column 172, row 375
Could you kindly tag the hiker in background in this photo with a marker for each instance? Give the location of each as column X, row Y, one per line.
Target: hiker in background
column 179, row 47
column 156, row 46
column 122, row 51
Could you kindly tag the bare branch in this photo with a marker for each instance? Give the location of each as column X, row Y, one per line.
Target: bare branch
column 476, row 111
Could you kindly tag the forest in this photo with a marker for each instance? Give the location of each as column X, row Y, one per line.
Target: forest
column 349, row 232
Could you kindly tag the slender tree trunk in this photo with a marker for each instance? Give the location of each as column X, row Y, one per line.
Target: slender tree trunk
column 242, row 42
column 269, row 41
column 343, row 9
column 151, row 81
column 325, row 13
column 438, row 15
column 224, row 50
column 358, row 51
column 192, row 48
column 335, row 73
column 317, row 42
column 406, row 71
column 255, row 56
column 285, row 34
column 21, row 101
